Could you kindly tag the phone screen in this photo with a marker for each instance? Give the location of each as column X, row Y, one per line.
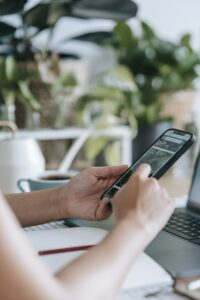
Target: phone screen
column 156, row 156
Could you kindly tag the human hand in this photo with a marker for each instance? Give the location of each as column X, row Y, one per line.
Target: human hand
column 81, row 197
column 143, row 201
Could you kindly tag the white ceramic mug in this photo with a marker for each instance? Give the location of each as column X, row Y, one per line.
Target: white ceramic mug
column 46, row 180
column 18, row 158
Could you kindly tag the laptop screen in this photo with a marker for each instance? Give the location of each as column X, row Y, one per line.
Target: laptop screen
column 194, row 195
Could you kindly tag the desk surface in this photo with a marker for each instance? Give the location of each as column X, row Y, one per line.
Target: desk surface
column 165, row 296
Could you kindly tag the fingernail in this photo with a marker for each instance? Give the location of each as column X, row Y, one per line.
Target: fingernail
column 109, row 205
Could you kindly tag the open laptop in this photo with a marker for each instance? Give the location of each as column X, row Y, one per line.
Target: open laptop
column 177, row 246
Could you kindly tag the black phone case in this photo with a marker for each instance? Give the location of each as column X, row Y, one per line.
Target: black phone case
column 168, row 164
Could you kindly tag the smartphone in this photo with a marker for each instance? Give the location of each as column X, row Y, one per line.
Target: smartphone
column 161, row 155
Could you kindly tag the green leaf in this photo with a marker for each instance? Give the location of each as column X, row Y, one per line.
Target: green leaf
column 29, row 98
column 122, row 78
column 9, row 96
column 11, row 70
column 148, row 32
column 37, row 16
column 186, row 39
column 2, row 69
column 113, row 154
column 153, row 111
column 106, row 92
column 6, row 30
column 97, row 37
column 104, row 9
column 124, row 35
column 132, row 122
column 107, row 119
column 45, row 15
column 8, row 7
column 68, row 81
column 93, row 147
column 56, row 11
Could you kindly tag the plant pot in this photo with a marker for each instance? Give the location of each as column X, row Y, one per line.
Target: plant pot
column 147, row 134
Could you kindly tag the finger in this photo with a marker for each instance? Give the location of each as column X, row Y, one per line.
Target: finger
column 143, row 171
column 104, row 210
column 107, row 172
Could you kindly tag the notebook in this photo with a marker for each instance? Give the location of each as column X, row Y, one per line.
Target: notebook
column 144, row 272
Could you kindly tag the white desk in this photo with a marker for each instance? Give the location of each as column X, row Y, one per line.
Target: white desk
column 131, row 294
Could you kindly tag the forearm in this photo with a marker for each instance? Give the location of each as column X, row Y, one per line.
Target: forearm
column 96, row 275
column 37, row 207
column 102, row 270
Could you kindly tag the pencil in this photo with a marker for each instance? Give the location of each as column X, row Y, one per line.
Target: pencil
column 63, row 250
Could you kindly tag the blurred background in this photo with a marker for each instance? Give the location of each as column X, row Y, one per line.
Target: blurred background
column 96, row 82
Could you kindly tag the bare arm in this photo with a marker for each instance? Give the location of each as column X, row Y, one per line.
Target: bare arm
column 99, row 273
column 22, row 276
column 37, row 207
column 21, row 269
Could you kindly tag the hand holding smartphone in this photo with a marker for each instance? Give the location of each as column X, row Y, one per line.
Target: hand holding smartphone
column 161, row 155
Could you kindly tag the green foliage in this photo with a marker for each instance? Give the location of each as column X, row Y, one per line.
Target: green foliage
column 6, row 30
column 18, row 40
column 124, row 35
column 51, row 12
column 133, row 92
column 15, row 83
column 157, row 65
column 158, row 68
column 113, row 153
column 11, row 7
column 45, row 15
column 112, row 103
column 94, row 146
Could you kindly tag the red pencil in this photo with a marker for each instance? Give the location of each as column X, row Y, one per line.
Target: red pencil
column 63, row 250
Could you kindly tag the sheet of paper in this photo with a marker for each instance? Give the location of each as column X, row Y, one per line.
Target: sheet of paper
column 144, row 272
column 61, row 238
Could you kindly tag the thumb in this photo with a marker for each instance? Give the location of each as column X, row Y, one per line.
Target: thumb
column 106, row 172
column 143, row 171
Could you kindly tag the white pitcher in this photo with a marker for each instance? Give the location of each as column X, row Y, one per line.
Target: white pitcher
column 19, row 157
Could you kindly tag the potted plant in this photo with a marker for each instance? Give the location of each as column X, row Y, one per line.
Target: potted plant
column 14, row 82
column 159, row 69
column 108, row 104
column 18, row 40
column 21, row 80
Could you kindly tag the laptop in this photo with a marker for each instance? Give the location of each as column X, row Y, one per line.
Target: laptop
column 177, row 246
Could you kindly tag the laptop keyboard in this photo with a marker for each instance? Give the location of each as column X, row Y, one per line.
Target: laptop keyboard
column 185, row 226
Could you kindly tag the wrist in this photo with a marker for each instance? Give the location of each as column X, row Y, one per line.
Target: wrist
column 139, row 226
column 127, row 240
column 61, row 198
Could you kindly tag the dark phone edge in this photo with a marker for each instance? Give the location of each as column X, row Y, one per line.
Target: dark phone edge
column 176, row 156
column 168, row 164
